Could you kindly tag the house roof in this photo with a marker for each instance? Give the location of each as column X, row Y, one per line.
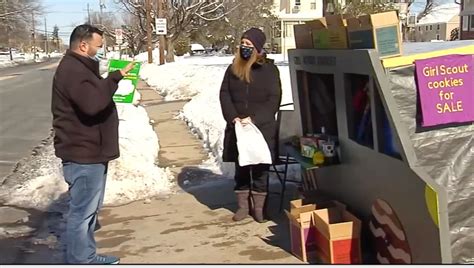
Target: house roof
column 440, row 14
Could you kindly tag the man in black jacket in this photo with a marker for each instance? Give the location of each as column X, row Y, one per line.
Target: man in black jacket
column 85, row 122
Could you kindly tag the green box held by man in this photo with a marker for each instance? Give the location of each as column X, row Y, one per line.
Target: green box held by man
column 127, row 86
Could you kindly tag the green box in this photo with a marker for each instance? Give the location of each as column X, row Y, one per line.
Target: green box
column 388, row 42
column 128, row 84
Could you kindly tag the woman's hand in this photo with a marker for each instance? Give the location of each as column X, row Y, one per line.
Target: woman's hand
column 236, row 119
column 245, row 121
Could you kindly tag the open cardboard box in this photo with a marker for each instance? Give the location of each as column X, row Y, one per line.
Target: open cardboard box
column 337, row 234
column 303, row 36
column 379, row 31
column 329, row 32
column 302, row 229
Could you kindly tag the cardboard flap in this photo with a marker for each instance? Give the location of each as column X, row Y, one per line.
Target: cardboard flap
column 302, row 219
column 303, row 209
column 335, row 21
column 365, row 20
column 317, row 23
column 302, row 28
column 353, row 23
column 385, row 18
column 336, row 222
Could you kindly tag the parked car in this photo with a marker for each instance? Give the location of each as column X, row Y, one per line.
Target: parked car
column 196, row 49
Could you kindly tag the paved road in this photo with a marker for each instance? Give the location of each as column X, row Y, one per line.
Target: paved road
column 25, row 117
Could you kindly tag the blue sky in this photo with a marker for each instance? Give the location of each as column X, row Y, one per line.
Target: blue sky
column 67, row 14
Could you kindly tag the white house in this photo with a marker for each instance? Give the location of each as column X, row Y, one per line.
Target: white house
column 289, row 13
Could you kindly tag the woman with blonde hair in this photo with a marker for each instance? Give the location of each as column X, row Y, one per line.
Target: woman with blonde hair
column 250, row 92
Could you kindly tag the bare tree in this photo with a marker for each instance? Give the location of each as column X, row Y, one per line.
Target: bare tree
column 107, row 22
column 251, row 13
column 16, row 17
column 358, row 8
column 182, row 16
column 18, row 9
column 430, row 4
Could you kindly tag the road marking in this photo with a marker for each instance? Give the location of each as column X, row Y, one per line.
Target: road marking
column 8, row 162
column 52, row 65
column 7, row 77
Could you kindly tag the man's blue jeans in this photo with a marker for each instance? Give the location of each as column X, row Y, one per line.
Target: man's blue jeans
column 86, row 190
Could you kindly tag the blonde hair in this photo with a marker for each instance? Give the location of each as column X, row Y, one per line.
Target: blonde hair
column 241, row 68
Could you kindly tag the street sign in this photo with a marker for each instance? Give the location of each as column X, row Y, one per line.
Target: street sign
column 119, row 36
column 411, row 20
column 160, row 26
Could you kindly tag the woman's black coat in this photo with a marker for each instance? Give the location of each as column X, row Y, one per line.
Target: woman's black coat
column 259, row 99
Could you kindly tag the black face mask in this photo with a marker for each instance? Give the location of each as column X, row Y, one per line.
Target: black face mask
column 246, row 52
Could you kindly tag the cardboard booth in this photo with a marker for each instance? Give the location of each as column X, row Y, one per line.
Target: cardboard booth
column 404, row 171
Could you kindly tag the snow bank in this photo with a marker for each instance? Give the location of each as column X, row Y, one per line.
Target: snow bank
column 199, row 78
column 38, row 181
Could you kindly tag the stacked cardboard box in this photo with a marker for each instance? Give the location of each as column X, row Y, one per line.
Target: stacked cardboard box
column 305, row 239
column 329, row 32
column 379, row 31
column 337, row 234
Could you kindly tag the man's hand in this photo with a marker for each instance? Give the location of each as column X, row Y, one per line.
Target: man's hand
column 127, row 68
column 236, row 119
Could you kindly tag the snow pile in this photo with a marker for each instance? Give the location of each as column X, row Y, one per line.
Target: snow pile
column 200, row 78
column 135, row 175
column 23, row 58
column 186, row 77
column 38, row 182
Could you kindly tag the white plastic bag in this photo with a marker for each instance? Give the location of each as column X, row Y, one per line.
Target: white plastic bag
column 253, row 149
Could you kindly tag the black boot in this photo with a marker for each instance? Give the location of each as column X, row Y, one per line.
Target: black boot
column 258, row 204
column 243, row 202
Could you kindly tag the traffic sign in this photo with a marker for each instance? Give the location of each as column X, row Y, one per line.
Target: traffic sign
column 161, row 26
column 118, row 36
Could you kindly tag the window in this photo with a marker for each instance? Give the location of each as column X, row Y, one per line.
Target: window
column 419, row 28
column 437, row 37
column 438, row 27
column 288, row 28
column 313, row 5
column 465, row 23
column 431, row 27
column 426, row 28
column 297, row 2
column 471, row 18
column 468, row 3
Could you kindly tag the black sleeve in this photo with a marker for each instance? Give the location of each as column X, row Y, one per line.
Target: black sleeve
column 93, row 95
column 267, row 113
column 227, row 106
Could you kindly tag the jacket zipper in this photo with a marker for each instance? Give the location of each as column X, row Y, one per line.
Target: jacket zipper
column 247, row 99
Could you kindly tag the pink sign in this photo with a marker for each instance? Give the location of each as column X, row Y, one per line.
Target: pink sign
column 445, row 86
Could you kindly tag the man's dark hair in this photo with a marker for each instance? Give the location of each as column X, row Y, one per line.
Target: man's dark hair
column 82, row 33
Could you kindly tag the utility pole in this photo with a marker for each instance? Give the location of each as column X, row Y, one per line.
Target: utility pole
column 162, row 38
column 148, row 30
column 46, row 48
column 102, row 6
column 88, row 14
column 34, row 35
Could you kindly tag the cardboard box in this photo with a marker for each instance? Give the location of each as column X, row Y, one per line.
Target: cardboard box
column 377, row 31
column 329, row 32
column 302, row 229
column 337, row 234
column 303, row 36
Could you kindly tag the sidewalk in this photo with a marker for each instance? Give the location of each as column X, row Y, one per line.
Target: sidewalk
column 193, row 225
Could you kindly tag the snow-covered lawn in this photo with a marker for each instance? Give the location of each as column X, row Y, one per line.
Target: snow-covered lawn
column 199, row 78
column 25, row 58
